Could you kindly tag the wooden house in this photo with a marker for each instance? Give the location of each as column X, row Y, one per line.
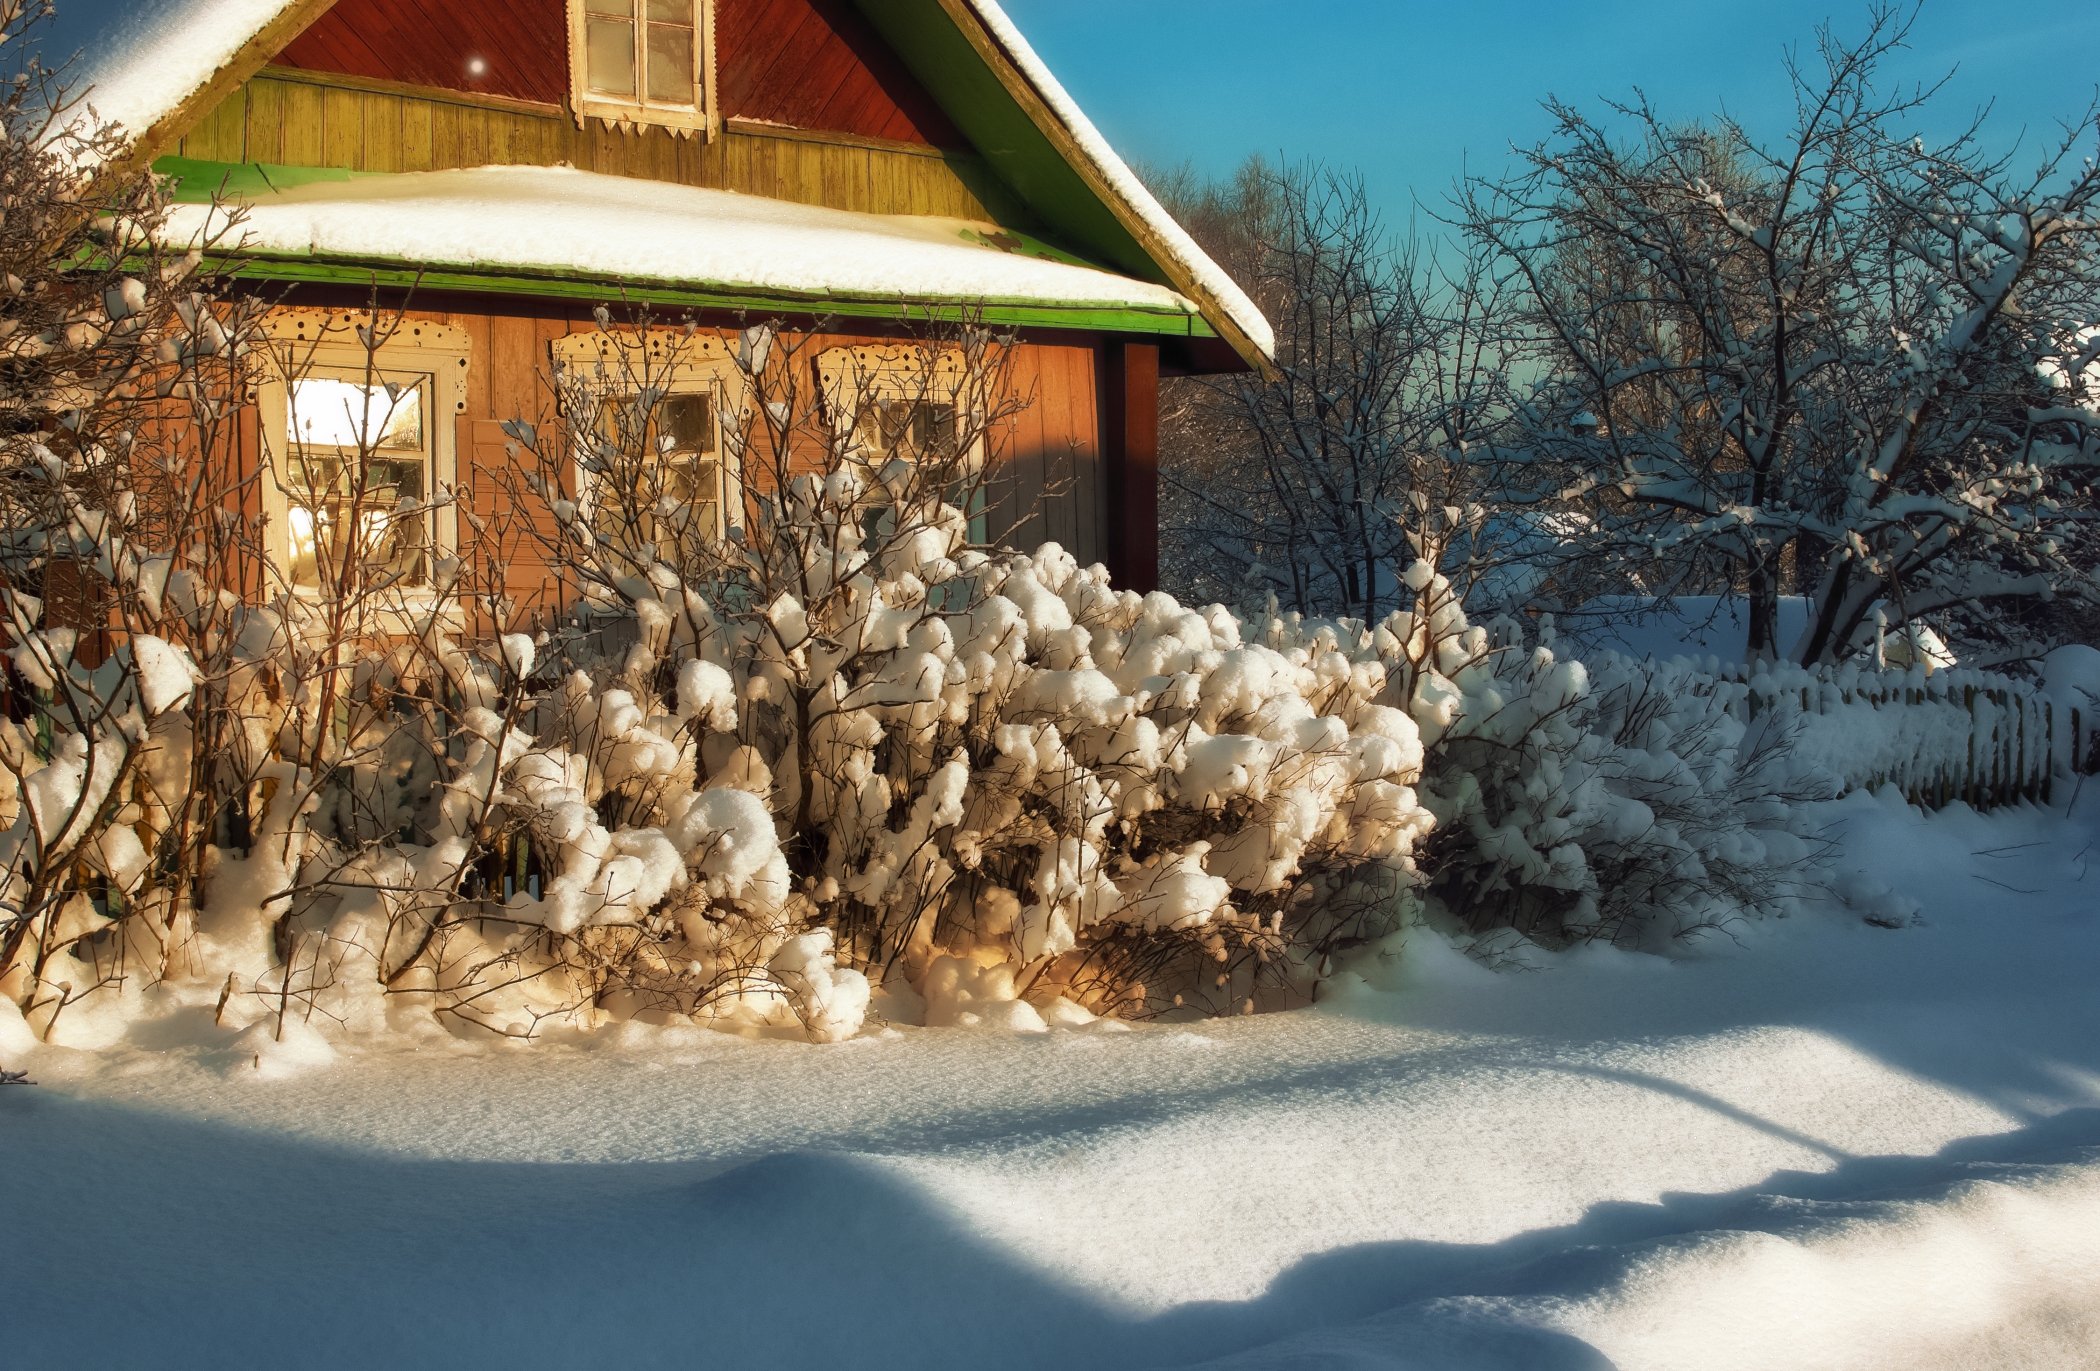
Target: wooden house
column 498, row 168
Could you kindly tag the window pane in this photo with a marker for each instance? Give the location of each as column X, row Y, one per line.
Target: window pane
column 385, row 416
column 672, row 11
column 391, row 542
column 695, row 487
column 610, row 59
column 671, row 65
column 662, row 491
column 895, row 419
column 686, row 423
column 623, row 8
column 933, row 429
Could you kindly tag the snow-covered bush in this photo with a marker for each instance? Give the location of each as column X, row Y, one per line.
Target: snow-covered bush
column 1582, row 801
column 984, row 767
column 757, row 779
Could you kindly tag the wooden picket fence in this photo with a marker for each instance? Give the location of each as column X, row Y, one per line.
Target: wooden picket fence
column 1982, row 739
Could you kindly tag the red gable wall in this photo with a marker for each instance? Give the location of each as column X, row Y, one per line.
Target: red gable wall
column 813, row 64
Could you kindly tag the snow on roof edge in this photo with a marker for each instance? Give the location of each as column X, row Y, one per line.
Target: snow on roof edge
column 134, row 62
column 1187, row 253
column 627, row 230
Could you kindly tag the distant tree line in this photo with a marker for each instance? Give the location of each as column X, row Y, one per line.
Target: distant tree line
column 1661, row 359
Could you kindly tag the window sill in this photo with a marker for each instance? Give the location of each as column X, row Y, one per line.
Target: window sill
column 682, row 123
column 402, row 613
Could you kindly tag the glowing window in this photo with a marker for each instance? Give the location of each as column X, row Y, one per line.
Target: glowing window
column 358, row 478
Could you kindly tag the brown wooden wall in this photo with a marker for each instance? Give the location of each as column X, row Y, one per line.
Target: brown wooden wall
column 812, row 64
column 296, row 119
column 817, row 64
column 1048, row 477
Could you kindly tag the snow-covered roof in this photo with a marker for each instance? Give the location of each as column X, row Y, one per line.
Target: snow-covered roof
column 1207, row 275
column 619, row 229
column 137, row 61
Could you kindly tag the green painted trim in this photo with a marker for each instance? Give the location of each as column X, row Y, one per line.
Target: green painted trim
column 969, row 92
column 198, row 182
column 1001, row 313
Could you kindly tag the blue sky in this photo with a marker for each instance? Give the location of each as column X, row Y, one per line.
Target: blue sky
column 1413, row 92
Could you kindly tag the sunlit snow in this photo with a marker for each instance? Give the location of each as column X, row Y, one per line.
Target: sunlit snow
column 1834, row 1146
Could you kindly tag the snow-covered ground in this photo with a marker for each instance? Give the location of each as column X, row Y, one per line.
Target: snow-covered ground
column 1833, row 1146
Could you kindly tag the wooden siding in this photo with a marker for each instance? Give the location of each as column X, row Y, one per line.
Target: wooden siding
column 817, row 64
column 1047, row 482
column 1047, row 485
column 522, row 47
column 296, row 119
column 812, row 64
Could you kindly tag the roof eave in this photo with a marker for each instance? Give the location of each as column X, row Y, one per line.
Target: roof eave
column 253, row 56
column 901, row 20
column 561, row 284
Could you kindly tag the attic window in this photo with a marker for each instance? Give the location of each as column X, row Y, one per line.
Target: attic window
column 642, row 62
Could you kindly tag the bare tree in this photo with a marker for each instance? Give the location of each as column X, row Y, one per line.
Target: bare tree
column 1832, row 363
column 119, row 382
column 1323, row 485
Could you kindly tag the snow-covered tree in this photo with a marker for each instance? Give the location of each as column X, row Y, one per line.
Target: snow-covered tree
column 118, row 384
column 1834, row 363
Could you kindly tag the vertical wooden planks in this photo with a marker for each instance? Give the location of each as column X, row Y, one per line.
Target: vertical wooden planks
column 1090, row 507
column 514, row 367
column 299, row 113
column 221, row 136
column 342, row 128
column 445, row 139
column 1053, row 398
column 419, row 135
column 382, row 133
column 1048, row 484
column 263, row 121
column 1018, row 518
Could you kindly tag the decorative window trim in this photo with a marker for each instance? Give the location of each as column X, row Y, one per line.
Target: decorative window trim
column 678, row 363
column 702, row 119
column 306, row 343
column 850, row 376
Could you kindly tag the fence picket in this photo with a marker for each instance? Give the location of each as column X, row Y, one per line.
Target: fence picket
column 1984, row 740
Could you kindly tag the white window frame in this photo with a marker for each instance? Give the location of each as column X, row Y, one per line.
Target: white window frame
column 849, row 377
column 701, row 119
column 882, row 373
column 330, row 344
column 674, row 362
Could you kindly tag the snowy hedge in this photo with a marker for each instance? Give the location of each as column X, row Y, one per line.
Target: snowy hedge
column 976, row 788
column 1051, row 788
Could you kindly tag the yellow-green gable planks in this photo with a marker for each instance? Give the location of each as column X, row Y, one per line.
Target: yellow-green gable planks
column 301, row 121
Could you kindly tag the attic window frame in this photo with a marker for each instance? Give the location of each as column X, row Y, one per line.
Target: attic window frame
column 702, row 119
